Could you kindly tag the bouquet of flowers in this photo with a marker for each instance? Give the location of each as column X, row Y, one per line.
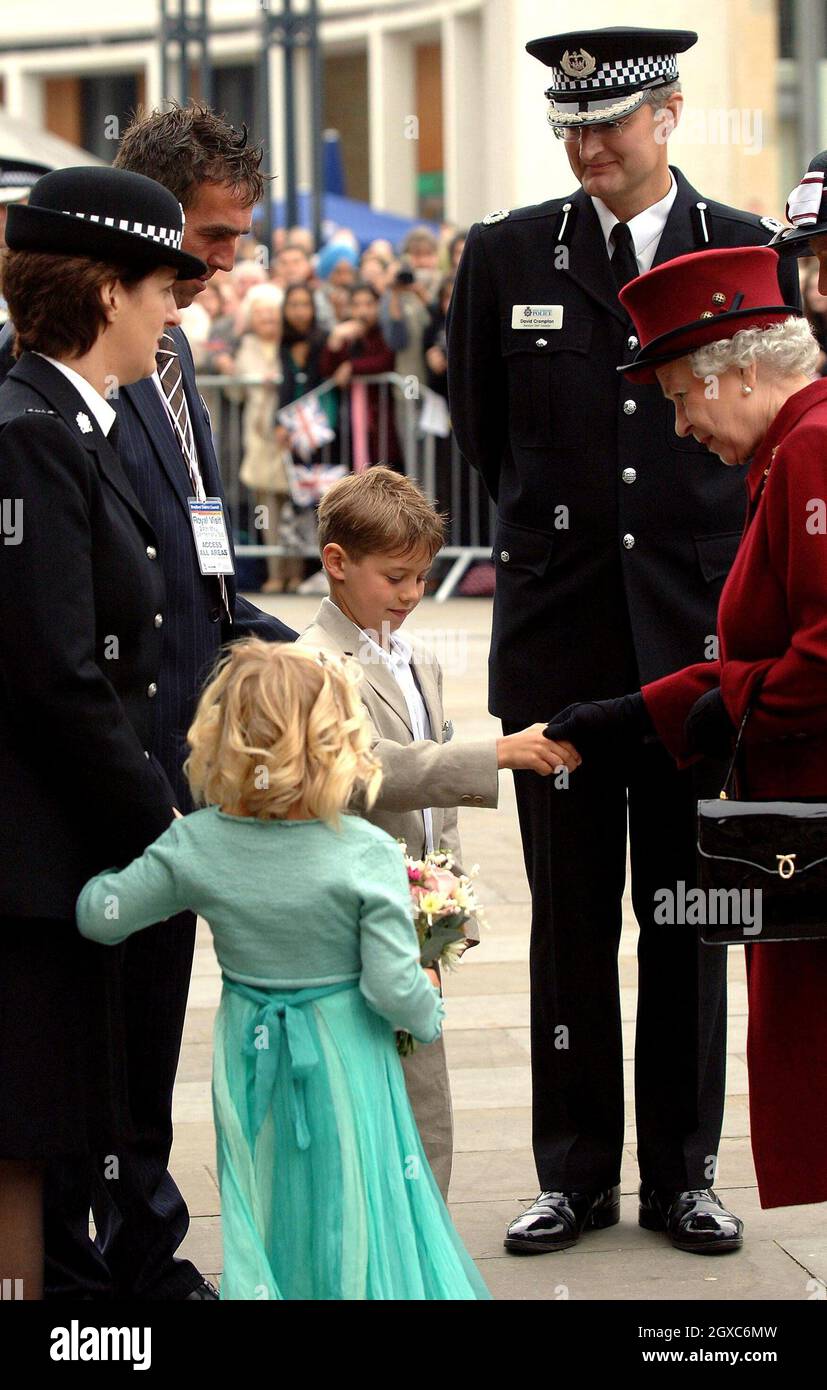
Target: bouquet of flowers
column 443, row 901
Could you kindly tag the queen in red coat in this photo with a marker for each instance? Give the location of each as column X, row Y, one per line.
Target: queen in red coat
column 738, row 365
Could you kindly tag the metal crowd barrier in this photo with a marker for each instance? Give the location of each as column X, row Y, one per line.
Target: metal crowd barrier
column 433, row 462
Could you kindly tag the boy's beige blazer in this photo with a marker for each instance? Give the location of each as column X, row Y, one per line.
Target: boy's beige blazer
column 416, row 773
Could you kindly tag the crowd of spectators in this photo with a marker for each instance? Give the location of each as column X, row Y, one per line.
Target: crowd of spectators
column 285, row 323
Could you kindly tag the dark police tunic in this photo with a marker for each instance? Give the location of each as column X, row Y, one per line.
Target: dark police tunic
column 81, row 590
column 612, row 542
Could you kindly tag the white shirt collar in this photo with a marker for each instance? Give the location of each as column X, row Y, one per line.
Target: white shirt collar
column 100, row 408
column 646, row 228
column 400, row 649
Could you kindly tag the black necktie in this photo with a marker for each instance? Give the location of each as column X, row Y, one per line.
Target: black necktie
column 113, row 435
column 624, row 263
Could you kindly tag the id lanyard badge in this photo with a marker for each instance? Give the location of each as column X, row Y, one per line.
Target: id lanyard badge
column 209, row 529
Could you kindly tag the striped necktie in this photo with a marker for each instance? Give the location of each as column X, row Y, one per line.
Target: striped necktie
column 172, row 381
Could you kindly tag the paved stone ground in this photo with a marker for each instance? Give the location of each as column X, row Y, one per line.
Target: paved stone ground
column 785, row 1250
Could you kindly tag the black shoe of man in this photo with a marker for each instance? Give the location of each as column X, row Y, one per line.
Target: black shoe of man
column 696, row 1221
column 556, row 1220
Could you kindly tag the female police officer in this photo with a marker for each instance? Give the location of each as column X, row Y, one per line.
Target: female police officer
column 88, row 277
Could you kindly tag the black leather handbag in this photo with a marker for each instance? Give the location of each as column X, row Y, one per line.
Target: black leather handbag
column 762, row 867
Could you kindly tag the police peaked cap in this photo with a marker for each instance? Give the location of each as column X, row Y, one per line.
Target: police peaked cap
column 602, row 74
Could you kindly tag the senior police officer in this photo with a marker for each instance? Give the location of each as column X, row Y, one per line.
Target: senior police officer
column 613, row 539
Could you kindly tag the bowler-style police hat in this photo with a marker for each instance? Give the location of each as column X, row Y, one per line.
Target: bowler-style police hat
column 806, row 212
column 602, row 74
column 106, row 214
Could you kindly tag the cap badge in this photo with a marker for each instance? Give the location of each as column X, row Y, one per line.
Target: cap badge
column 578, row 64
column 83, row 422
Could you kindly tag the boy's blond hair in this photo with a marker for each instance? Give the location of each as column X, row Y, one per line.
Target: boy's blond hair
column 277, row 724
column 379, row 512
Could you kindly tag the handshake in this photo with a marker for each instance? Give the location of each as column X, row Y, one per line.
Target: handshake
column 589, row 727
column 601, row 726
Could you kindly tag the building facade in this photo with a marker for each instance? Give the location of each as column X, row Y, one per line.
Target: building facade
column 440, row 110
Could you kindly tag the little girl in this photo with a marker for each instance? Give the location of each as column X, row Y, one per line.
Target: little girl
column 325, row 1189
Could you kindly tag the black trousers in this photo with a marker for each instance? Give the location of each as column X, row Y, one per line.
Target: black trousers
column 140, row 1216
column 574, row 842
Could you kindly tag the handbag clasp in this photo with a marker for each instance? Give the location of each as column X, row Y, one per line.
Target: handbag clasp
column 786, row 865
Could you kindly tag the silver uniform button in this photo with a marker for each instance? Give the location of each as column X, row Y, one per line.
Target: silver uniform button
column 159, row 619
column 151, row 552
column 629, row 407
column 629, row 475
column 152, row 690
column 504, row 555
column 632, row 343
column 628, row 540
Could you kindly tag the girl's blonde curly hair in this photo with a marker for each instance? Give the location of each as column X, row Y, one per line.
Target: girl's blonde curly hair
column 278, row 724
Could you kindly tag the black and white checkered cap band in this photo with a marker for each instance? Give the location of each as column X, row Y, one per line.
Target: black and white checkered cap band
column 623, row 72
column 19, row 178
column 164, row 236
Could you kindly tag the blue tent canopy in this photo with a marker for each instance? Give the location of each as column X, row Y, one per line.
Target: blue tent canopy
column 365, row 222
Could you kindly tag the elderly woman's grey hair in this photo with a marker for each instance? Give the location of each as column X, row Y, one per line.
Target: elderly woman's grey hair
column 788, row 349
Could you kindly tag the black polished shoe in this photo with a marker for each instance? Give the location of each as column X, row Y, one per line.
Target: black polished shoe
column 557, row 1220
column 695, row 1221
column 205, row 1292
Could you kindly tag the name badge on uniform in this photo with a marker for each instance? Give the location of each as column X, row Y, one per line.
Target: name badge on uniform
column 537, row 316
column 209, row 529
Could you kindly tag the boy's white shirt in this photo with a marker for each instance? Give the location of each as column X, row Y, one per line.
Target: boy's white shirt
column 398, row 661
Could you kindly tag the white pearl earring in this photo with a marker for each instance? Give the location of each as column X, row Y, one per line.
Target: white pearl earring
column 747, row 390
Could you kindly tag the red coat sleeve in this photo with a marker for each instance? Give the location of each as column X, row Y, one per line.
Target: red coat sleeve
column 670, row 699
column 369, row 357
column 372, row 356
column 791, row 688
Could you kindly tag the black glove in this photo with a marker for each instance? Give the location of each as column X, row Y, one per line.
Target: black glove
column 708, row 728
column 599, row 724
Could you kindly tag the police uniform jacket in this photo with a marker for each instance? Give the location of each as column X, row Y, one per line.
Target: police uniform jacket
column 81, row 613
column 613, row 535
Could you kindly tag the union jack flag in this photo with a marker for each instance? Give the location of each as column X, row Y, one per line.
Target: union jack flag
column 307, row 425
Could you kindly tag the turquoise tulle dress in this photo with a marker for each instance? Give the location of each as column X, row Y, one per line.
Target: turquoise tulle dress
column 319, row 1157
column 326, row 1192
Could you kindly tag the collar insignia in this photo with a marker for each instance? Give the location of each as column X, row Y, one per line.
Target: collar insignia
column 84, row 424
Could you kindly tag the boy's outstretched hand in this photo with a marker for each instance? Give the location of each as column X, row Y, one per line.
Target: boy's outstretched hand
column 531, row 750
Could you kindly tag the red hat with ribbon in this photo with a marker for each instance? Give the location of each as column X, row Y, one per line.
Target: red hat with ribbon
column 693, row 300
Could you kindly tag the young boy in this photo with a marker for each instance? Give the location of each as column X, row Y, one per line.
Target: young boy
column 378, row 535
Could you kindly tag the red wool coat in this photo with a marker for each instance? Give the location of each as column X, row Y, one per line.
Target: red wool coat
column 772, row 631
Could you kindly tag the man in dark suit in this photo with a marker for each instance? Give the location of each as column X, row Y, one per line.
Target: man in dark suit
column 613, row 540
column 167, row 452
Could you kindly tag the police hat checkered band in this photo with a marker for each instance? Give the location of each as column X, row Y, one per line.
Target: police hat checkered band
column 19, row 178
column 804, row 203
column 164, row 236
column 621, row 72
